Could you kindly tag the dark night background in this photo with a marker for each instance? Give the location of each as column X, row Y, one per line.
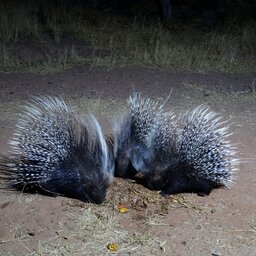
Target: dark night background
column 210, row 12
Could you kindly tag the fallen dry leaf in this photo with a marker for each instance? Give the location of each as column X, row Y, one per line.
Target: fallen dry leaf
column 112, row 247
column 121, row 208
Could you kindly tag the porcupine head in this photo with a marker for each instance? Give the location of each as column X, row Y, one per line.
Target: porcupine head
column 97, row 166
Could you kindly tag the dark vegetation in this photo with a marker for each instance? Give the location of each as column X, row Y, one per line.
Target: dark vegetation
column 47, row 36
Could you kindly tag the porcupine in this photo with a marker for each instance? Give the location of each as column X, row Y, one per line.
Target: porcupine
column 191, row 153
column 137, row 136
column 55, row 152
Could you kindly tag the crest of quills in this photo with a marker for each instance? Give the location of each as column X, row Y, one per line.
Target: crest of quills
column 56, row 152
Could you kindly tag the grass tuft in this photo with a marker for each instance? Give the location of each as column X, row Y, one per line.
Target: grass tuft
column 99, row 227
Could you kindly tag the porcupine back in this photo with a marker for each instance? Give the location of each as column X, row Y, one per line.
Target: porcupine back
column 203, row 157
column 205, row 143
column 56, row 152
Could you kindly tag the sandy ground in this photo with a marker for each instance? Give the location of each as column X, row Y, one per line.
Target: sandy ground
column 223, row 223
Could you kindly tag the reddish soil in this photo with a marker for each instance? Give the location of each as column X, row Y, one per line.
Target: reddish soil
column 223, row 223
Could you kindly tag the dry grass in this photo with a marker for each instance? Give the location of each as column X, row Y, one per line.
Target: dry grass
column 61, row 60
column 183, row 48
column 99, row 227
column 92, row 230
column 115, row 41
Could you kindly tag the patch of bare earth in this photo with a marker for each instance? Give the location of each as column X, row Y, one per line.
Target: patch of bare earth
column 223, row 223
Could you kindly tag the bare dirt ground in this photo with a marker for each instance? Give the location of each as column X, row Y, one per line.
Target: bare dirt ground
column 223, row 223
